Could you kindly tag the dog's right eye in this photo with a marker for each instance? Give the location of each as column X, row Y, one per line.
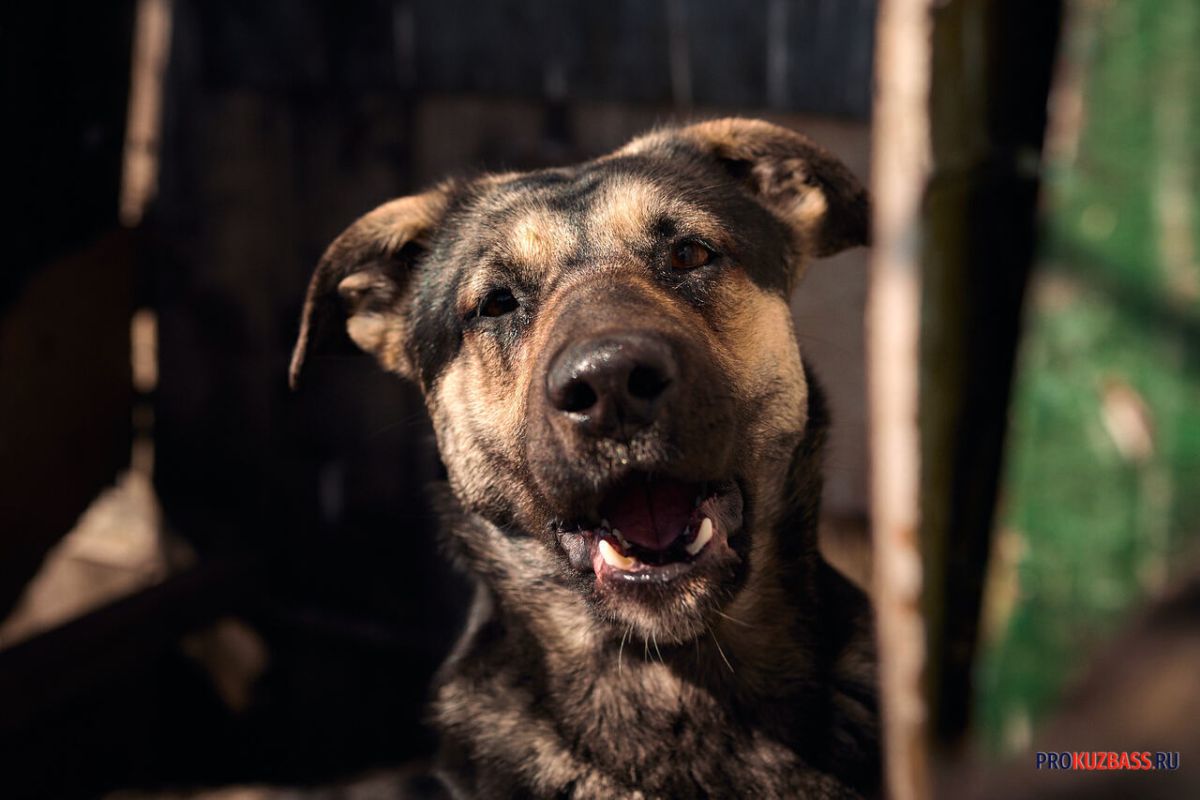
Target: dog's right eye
column 690, row 254
column 497, row 303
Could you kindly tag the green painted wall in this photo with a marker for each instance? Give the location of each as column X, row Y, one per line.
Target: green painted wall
column 1101, row 496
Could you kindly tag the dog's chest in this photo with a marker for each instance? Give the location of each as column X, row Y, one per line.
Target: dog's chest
column 640, row 730
column 655, row 729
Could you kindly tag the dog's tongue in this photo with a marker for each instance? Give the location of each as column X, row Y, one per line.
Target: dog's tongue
column 651, row 514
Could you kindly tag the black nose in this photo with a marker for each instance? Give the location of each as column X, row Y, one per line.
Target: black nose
column 612, row 386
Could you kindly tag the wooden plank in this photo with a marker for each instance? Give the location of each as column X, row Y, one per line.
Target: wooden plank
column 65, row 399
column 44, row 674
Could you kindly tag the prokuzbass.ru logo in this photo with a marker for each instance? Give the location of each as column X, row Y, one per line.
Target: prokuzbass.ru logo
column 1100, row 760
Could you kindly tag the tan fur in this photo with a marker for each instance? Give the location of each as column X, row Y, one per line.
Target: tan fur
column 628, row 208
column 539, row 239
column 784, row 172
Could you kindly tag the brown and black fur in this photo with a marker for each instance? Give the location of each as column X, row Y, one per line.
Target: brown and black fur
column 751, row 676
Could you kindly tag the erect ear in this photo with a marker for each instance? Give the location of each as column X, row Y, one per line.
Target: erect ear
column 803, row 184
column 364, row 279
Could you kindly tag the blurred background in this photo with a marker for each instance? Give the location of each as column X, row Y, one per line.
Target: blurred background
column 207, row 579
column 204, row 577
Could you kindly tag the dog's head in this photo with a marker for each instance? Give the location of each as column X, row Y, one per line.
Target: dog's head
column 607, row 354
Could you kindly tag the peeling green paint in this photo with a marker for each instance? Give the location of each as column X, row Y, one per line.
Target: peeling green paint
column 1102, row 477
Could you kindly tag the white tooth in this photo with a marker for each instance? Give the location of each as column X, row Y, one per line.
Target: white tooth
column 701, row 538
column 604, row 524
column 620, row 538
column 615, row 559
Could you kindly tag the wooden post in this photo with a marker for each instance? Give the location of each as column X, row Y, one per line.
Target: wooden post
column 900, row 172
column 990, row 75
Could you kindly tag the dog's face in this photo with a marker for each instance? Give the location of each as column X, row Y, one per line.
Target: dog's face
column 607, row 354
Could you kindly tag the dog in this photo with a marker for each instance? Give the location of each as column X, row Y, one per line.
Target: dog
column 633, row 449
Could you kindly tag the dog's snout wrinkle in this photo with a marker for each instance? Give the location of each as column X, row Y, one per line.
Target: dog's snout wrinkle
column 612, row 386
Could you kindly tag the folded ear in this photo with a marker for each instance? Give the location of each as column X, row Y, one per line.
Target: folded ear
column 363, row 281
column 803, row 184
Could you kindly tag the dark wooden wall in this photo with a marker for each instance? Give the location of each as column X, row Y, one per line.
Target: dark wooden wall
column 799, row 55
column 66, row 275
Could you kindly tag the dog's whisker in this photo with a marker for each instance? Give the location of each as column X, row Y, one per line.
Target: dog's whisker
column 718, row 644
column 621, row 649
column 660, row 658
column 411, row 419
column 733, row 619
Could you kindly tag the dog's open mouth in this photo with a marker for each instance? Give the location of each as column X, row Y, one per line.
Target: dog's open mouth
column 656, row 529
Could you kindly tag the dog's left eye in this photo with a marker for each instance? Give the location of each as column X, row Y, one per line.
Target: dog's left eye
column 497, row 303
column 690, row 254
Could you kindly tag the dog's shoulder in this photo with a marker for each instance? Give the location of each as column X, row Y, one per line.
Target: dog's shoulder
column 849, row 639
